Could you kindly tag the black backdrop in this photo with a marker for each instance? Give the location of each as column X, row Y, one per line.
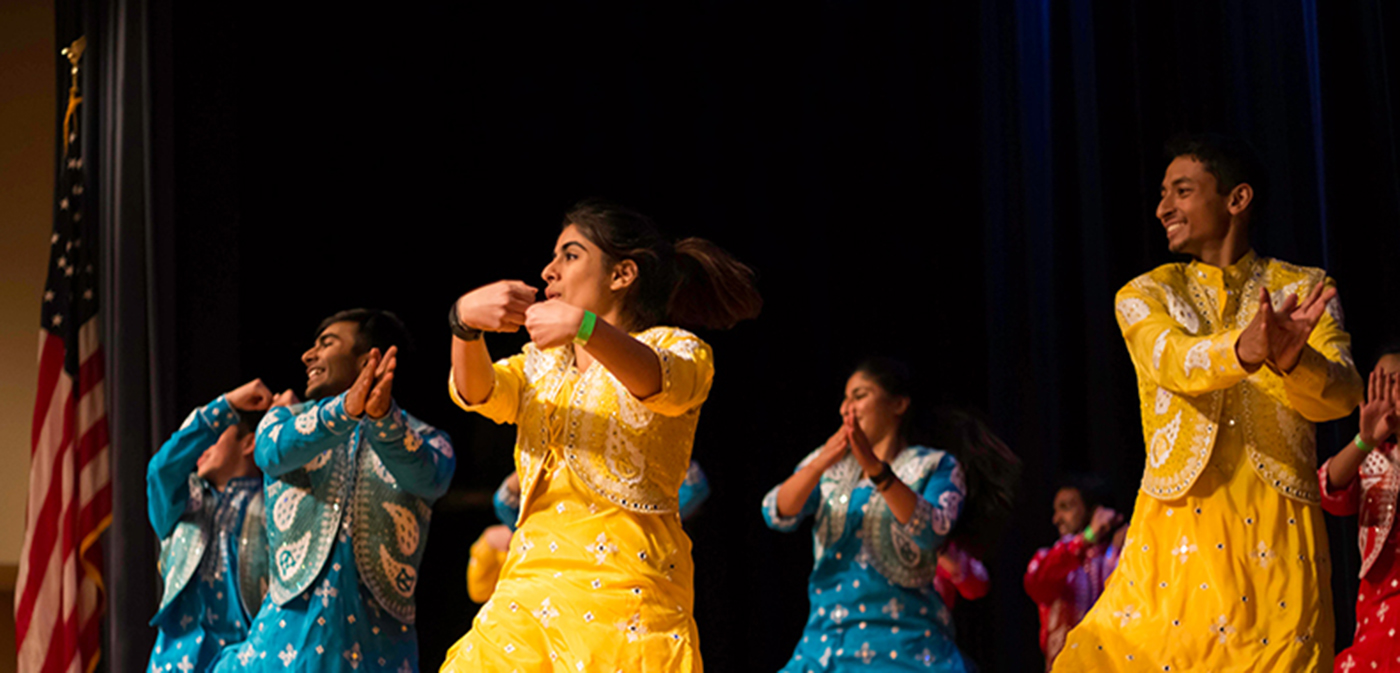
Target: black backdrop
column 962, row 186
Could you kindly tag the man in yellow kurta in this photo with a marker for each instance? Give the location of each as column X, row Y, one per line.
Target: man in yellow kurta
column 1225, row 566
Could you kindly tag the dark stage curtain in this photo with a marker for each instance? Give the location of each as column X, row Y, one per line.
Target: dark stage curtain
column 963, row 186
column 1077, row 100
column 138, row 331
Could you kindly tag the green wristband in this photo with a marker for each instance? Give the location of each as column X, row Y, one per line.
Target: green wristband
column 1360, row 444
column 585, row 328
column 1089, row 535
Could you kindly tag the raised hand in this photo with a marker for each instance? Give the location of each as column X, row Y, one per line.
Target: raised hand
column 1379, row 416
column 498, row 307
column 251, row 396
column 860, row 445
column 285, row 398
column 1288, row 328
column 1104, row 520
column 552, row 323
column 834, row 450
column 359, row 390
column 381, row 395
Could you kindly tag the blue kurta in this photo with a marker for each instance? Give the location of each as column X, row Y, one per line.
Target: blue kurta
column 337, row 624
column 865, row 615
column 207, row 613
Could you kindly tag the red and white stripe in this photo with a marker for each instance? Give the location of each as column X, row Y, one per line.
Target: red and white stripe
column 58, row 596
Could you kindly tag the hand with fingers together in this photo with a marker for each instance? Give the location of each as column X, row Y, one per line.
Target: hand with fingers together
column 1380, row 417
column 1278, row 336
column 372, row 390
column 498, row 307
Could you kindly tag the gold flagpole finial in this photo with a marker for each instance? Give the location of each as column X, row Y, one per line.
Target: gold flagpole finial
column 74, row 52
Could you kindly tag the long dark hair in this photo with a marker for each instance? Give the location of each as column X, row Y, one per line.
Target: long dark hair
column 690, row 283
column 991, row 471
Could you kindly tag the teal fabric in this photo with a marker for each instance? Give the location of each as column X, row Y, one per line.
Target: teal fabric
column 873, row 606
column 200, row 528
column 348, row 507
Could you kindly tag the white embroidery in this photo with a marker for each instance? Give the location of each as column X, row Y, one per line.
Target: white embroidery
column 1184, row 549
column 602, row 548
column 1164, row 401
column 319, row 461
column 1222, row 629
column 685, row 349
column 380, row 470
column 624, row 459
column 1157, row 347
column 1163, row 441
column 1263, row 554
column 189, row 419
column 1295, row 287
column 1198, row 358
column 1334, row 309
column 274, row 433
column 403, row 575
column 288, row 655
column 1133, row 310
column 1126, row 615
column 1182, row 312
column 546, row 613
column 949, row 502
column 306, row 423
column 290, row 556
column 405, row 527
column 284, row 512
column 839, row 614
column 443, row 446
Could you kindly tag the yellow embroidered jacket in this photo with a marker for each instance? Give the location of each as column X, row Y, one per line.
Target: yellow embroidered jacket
column 633, row 452
column 1181, row 322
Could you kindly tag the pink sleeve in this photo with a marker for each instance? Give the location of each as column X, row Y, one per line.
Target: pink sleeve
column 1339, row 502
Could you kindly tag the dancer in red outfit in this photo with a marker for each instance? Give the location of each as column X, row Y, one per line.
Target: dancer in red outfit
column 1066, row 579
column 1372, row 498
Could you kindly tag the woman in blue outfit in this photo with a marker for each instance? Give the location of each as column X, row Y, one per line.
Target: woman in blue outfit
column 883, row 509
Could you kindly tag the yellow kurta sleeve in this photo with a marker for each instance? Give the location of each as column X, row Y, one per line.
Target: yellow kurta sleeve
column 1170, row 356
column 687, row 371
column 1325, row 384
column 503, row 404
column 484, row 569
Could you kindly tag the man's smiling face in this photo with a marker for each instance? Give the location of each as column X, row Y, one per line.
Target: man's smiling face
column 334, row 361
column 1192, row 209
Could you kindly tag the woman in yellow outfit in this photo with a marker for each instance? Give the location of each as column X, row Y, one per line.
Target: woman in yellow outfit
column 606, row 399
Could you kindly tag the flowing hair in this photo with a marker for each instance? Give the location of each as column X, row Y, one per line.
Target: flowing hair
column 689, row 283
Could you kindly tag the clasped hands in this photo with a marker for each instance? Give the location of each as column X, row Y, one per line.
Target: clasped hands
column 1277, row 337
column 850, row 438
column 508, row 305
column 371, row 393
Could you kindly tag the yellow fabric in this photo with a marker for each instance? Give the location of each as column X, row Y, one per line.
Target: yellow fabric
column 591, row 583
column 483, row 569
column 1233, row 575
column 1181, row 322
column 635, row 453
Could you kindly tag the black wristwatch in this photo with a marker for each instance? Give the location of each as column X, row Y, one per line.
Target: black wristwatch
column 458, row 329
column 884, row 478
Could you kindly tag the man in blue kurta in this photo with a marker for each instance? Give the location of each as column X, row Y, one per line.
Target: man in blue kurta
column 350, row 481
column 204, row 496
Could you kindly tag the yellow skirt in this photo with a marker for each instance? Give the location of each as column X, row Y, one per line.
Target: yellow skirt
column 1231, row 577
column 586, row 586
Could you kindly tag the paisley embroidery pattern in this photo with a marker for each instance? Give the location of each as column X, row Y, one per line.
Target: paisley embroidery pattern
column 405, row 528
column 1133, row 310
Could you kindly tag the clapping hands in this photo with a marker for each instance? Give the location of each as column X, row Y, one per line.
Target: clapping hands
column 1279, row 336
column 372, row 391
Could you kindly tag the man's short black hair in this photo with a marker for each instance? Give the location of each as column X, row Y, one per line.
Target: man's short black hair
column 1231, row 160
column 1092, row 488
column 1391, row 347
column 377, row 329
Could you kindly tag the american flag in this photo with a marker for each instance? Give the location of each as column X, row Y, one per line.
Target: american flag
column 59, row 593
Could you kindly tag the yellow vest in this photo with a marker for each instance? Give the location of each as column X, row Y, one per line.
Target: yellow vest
column 1181, row 322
